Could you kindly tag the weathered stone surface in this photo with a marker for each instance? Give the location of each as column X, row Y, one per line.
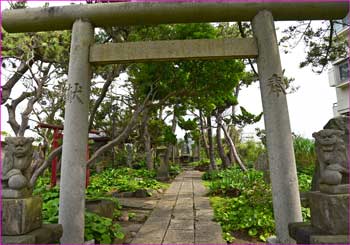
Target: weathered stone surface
column 199, row 189
column 335, row 239
column 139, row 203
column 10, row 193
column 341, row 123
column 104, row 208
column 205, row 214
column 152, row 232
column 304, row 233
column 304, row 199
column 139, row 215
column 22, row 239
column 181, row 224
column 201, row 203
column 20, row 216
column 262, row 163
column 73, row 167
column 173, row 220
column 332, row 157
column 335, row 189
column 183, row 214
column 279, row 142
column 16, row 171
column 330, row 213
column 179, row 237
column 141, row 193
column 47, row 234
column 208, row 232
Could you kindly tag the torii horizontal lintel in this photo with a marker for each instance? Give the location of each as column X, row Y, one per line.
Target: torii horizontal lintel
column 133, row 13
column 130, row 52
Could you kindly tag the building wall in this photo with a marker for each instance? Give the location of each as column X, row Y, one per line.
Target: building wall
column 340, row 80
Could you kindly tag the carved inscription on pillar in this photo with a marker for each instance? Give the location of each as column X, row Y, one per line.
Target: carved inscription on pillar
column 276, row 85
column 73, row 93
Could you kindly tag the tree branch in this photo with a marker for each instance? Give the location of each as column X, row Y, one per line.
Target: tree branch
column 44, row 165
column 330, row 41
column 106, row 85
column 7, row 88
column 243, row 35
column 123, row 135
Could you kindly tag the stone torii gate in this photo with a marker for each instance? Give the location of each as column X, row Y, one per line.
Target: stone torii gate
column 83, row 18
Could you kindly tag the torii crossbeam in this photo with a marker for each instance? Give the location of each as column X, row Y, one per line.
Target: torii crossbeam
column 83, row 18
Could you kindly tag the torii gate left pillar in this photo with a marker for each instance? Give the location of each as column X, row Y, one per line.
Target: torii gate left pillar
column 73, row 169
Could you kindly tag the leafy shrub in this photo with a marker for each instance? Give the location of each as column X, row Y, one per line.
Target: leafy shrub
column 251, row 209
column 174, row 170
column 202, row 165
column 304, row 150
column 102, row 229
column 123, row 179
column 249, row 151
column 305, row 178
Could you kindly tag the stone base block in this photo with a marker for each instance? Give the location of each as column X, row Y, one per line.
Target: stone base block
column 104, row 208
column 304, row 233
column 20, row 216
column 330, row 239
column 335, row 189
column 47, row 234
column 330, row 213
column 9, row 193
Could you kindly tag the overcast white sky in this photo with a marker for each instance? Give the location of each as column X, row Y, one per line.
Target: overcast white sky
column 309, row 108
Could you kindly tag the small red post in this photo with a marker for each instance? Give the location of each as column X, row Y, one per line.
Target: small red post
column 54, row 161
column 87, row 168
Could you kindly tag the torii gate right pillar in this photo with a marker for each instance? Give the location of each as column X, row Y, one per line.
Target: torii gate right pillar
column 285, row 192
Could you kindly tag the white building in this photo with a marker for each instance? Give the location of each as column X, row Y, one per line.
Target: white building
column 338, row 75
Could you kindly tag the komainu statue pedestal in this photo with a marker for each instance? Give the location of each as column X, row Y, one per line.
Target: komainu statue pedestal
column 329, row 220
column 329, row 204
column 21, row 212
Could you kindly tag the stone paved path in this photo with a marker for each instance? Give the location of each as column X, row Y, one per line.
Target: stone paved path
column 182, row 216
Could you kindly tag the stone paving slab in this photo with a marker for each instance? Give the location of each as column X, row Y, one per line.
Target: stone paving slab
column 181, row 224
column 182, row 216
column 201, row 203
column 204, row 215
column 179, row 237
column 139, row 203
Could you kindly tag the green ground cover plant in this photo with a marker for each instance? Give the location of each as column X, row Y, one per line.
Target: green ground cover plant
column 174, row 170
column 304, row 150
column 103, row 230
column 249, row 151
column 123, row 180
column 242, row 201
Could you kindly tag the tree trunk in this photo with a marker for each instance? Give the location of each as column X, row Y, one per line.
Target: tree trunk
column 147, row 141
column 224, row 159
column 163, row 170
column 211, row 146
column 198, row 148
column 233, row 149
column 122, row 135
column 170, row 146
column 204, row 140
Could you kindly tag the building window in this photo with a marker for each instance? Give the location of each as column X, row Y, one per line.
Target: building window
column 344, row 71
column 341, row 25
